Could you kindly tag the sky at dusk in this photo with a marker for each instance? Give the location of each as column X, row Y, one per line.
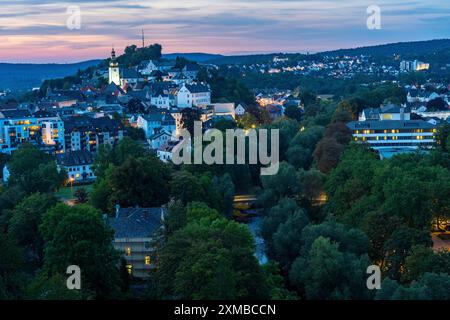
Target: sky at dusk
column 36, row 30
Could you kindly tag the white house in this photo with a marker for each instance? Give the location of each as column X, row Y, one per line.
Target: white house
column 191, row 71
column 240, row 110
column 147, row 67
column 193, row 95
column 161, row 101
column 152, row 122
column 78, row 165
column 160, row 138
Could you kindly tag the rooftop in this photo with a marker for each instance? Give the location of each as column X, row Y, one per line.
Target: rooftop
column 390, row 124
column 136, row 222
column 75, row 158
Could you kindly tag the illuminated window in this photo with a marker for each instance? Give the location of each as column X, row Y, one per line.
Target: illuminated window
column 129, row 268
column 147, row 260
column 128, row 251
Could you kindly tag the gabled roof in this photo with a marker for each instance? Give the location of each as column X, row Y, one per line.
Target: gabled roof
column 392, row 108
column 136, row 222
column 45, row 114
column 197, row 88
column 160, row 133
column 75, row 158
column 15, row 114
column 113, row 88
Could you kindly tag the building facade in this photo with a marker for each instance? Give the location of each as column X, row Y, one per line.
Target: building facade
column 136, row 232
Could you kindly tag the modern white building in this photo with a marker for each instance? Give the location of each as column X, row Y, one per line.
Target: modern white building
column 390, row 129
column 17, row 127
column 53, row 134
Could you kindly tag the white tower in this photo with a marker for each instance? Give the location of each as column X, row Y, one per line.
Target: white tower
column 114, row 75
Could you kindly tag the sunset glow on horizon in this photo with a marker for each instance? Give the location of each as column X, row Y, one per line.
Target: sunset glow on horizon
column 36, row 31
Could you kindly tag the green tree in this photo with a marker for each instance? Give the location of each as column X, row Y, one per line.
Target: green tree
column 210, row 252
column 51, row 288
column 287, row 241
column 25, row 220
column 81, row 195
column 398, row 247
column 34, row 171
column 293, row 112
column 79, row 236
column 139, row 182
column 11, row 264
column 327, row 273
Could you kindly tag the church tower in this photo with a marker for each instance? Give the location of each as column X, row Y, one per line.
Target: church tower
column 114, row 75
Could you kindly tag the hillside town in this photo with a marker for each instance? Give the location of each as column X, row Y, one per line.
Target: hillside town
column 111, row 136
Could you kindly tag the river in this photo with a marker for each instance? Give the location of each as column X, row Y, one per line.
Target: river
column 255, row 224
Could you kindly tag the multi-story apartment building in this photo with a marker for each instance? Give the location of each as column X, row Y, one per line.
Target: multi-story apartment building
column 53, row 134
column 17, row 127
column 135, row 235
column 414, row 65
column 85, row 133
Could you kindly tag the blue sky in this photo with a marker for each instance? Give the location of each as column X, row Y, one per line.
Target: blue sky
column 36, row 30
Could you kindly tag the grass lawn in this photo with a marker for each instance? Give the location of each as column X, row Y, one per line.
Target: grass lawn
column 66, row 193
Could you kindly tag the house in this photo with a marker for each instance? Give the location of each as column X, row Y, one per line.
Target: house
column 135, row 233
column 153, row 121
column 164, row 152
column 78, row 165
column 223, row 110
column 191, row 71
column 275, row 111
column 181, row 78
column 387, row 112
column 241, row 109
column 190, row 95
column 148, row 66
column 160, row 138
column 161, row 100
column 130, row 77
